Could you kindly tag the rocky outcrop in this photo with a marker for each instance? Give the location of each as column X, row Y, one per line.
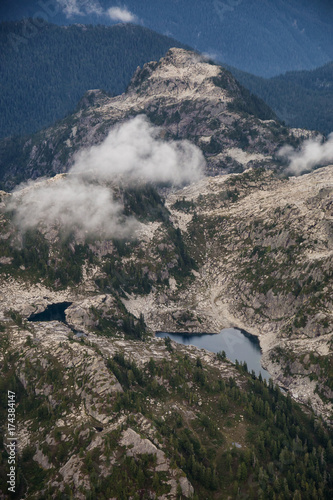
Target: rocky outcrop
column 135, row 446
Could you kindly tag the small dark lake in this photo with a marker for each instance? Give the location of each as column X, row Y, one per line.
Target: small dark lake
column 236, row 343
column 53, row 312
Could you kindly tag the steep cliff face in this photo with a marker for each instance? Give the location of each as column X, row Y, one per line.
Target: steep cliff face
column 185, row 95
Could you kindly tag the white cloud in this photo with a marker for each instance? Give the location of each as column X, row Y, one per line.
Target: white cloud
column 207, row 56
column 85, row 7
column 70, row 203
column 121, row 14
column 69, row 7
column 80, row 7
column 132, row 153
column 312, row 153
column 135, row 151
column 94, row 8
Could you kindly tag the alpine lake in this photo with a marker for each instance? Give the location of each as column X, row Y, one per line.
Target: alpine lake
column 237, row 344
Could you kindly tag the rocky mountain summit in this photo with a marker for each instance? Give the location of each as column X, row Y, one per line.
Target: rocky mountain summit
column 187, row 95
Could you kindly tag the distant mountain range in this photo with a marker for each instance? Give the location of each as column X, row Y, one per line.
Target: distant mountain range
column 264, row 37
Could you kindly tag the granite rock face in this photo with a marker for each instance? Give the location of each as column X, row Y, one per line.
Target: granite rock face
column 73, row 380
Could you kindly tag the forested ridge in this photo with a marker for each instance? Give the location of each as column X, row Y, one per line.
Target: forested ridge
column 300, row 98
column 262, row 37
column 43, row 77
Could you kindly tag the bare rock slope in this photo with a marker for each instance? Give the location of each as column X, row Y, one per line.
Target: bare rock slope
column 265, row 245
column 262, row 249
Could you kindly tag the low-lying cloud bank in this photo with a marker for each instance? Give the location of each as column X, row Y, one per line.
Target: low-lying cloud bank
column 72, row 204
column 132, row 153
column 313, row 153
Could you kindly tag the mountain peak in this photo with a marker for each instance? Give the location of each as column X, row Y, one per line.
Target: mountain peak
column 179, row 66
column 181, row 57
column 183, row 93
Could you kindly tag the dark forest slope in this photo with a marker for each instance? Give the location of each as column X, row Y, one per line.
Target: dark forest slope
column 262, row 37
column 300, row 98
column 43, row 77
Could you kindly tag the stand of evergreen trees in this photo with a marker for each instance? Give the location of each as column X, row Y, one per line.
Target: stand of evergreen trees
column 300, row 98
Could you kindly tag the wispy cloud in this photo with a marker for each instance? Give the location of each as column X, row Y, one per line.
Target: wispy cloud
column 80, row 7
column 132, row 153
column 312, row 153
column 73, row 8
column 72, row 204
column 92, row 7
column 210, row 56
column 135, row 151
column 121, row 14
column 69, row 7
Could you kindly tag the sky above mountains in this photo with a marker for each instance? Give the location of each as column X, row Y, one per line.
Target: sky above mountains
column 264, row 37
